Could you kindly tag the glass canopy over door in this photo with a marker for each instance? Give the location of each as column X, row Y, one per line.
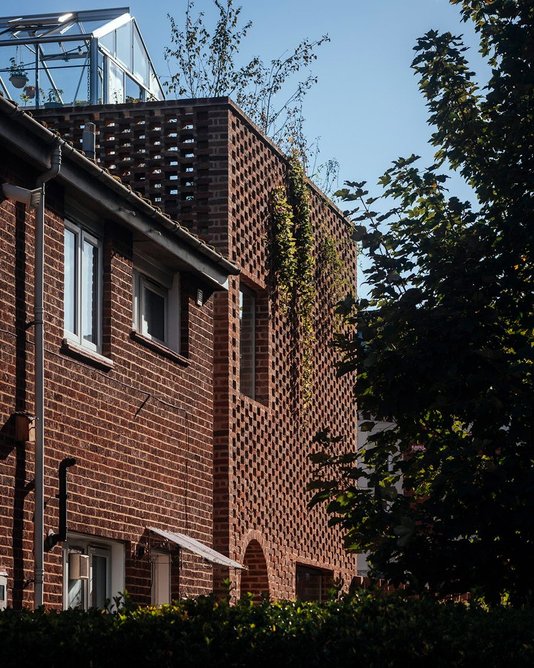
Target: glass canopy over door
column 88, row 57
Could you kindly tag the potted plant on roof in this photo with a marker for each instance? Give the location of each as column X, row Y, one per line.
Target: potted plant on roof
column 53, row 98
column 17, row 74
column 29, row 92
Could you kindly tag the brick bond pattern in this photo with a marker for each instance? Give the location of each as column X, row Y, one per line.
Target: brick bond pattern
column 205, row 163
column 141, row 432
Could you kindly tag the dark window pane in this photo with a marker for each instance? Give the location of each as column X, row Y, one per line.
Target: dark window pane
column 99, row 581
column 247, row 342
column 312, row 583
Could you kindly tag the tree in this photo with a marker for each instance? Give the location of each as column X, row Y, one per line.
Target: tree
column 270, row 93
column 444, row 344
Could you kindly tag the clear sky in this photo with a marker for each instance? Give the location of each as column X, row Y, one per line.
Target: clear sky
column 366, row 107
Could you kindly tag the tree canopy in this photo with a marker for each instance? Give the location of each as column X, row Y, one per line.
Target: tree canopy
column 442, row 498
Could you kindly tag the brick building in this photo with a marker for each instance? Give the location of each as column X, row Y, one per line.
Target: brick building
column 180, row 401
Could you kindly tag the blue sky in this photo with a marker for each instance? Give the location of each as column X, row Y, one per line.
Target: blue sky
column 366, row 107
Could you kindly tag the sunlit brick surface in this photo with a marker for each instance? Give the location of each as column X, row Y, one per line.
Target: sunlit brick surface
column 204, row 163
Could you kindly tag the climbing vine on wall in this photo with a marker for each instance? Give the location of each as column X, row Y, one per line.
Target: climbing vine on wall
column 305, row 291
column 331, row 268
column 284, row 248
column 300, row 263
column 294, row 263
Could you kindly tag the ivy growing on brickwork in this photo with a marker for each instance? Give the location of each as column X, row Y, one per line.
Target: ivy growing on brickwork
column 293, row 262
column 284, row 248
column 298, row 261
column 330, row 264
column 305, row 289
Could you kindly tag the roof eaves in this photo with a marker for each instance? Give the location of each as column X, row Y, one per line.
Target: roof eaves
column 144, row 205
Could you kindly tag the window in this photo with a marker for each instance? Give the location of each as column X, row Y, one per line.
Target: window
column 313, row 583
column 254, row 345
column 157, row 304
column 153, row 310
column 247, row 342
column 82, row 286
column 94, row 572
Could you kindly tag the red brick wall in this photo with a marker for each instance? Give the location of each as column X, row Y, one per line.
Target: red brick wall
column 226, row 172
column 271, row 440
column 141, row 432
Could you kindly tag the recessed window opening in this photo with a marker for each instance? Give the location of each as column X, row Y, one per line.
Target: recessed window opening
column 93, row 572
column 247, row 342
column 156, row 303
column 312, row 584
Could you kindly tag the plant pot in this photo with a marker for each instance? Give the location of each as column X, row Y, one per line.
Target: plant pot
column 18, row 81
column 29, row 91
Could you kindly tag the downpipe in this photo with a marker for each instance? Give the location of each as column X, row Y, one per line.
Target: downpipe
column 38, row 543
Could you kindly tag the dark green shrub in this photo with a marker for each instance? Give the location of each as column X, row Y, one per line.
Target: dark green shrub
column 368, row 630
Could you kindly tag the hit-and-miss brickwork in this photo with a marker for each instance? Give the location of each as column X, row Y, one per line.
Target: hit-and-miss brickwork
column 231, row 470
column 206, row 163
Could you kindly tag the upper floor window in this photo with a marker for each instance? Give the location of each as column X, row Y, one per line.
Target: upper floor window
column 157, row 304
column 247, row 342
column 82, row 286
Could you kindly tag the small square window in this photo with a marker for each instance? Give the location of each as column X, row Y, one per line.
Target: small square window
column 157, row 306
column 313, row 584
column 82, row 286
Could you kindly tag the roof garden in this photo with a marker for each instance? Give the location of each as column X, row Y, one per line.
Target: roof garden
column 87, row 57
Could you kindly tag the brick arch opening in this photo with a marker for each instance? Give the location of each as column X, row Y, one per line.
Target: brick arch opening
column 255, row 580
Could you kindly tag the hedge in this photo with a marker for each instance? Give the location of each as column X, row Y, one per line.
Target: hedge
column 365, row 630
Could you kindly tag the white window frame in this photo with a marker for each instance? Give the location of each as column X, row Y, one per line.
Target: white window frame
column 82, row 235
column 112, row 551
column 166, row 284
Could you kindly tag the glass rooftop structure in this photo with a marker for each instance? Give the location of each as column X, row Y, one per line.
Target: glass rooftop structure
column 88, row 57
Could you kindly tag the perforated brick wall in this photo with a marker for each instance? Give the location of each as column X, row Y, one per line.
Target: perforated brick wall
column 175, row 154
column 140, row 429
column 225, row 174
column 271, row 441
